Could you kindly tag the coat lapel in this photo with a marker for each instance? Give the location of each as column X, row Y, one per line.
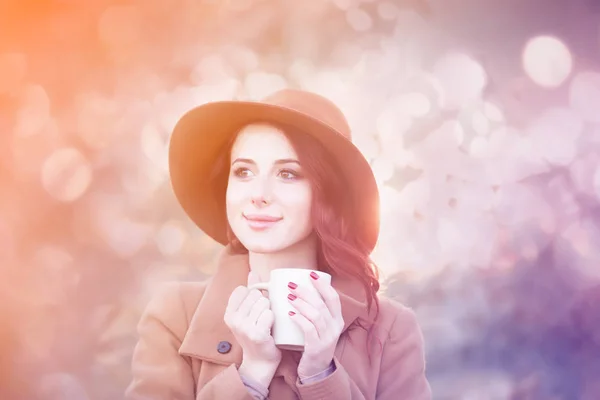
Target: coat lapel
column 207, row 327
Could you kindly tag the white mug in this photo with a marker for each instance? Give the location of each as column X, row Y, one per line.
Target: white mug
column 286, row 333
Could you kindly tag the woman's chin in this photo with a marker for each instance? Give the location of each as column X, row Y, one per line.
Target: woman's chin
column 263, row 247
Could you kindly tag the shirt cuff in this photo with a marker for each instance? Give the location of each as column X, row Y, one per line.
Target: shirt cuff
column 257, row 391
column 319, row 376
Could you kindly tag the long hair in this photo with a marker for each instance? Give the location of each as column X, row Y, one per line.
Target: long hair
column 340, row 250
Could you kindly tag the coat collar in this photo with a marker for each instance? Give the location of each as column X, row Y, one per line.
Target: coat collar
column 207, row 328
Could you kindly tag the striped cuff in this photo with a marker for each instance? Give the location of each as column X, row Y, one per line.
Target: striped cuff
column 257, row 391
column 319, row 376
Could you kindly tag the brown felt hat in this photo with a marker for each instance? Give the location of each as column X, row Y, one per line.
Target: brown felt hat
column 203, row 132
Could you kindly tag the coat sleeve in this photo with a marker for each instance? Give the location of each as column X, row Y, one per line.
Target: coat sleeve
column 402, row 372
column 159, row 371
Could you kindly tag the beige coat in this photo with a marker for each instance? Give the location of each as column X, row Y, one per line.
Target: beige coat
column 177, row 358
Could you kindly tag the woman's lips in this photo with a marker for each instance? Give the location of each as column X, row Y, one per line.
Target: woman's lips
column 261, row 222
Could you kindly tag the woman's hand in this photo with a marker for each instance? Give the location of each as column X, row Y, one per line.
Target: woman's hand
column 249, row 316
column 320, row 317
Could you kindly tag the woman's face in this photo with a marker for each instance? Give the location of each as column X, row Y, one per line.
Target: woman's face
column 268, row 198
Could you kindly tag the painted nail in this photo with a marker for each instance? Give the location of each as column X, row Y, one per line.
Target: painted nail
column 314, row 275
column 292, row 285
column 291, row 296
column 291, row 313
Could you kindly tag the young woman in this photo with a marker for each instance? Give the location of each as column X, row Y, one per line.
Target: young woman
column 280, row 183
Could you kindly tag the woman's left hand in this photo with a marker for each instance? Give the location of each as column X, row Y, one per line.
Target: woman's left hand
column 320, row 317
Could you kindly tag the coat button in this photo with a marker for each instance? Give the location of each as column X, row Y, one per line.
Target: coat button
column 224, row 347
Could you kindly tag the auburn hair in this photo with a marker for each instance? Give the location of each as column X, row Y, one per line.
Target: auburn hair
column 340, row 249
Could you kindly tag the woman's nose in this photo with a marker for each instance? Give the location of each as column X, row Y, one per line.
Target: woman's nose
column 259, row 201
column 261, row 194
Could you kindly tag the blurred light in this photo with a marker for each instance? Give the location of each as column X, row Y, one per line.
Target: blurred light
column 415, row 196
column 55, row 274
column 139, row 87
column 461, row 77
column 517, row 204
column 579, row 235
column 493, row 112
column 62, row 386
column 261, row 84
column 489, row 385
column 34, row 112
column 8, row 241
column 347, row 53
column 581, row 254
column 498, row 144
column 111, row 326
column 480, row 123
column 547, row 61
column 170, row 238
column 241, row 57
column 170, row 106
column 387, row 10
column 359, row 19
column 426, row 85
column 383, row 169
column 95, row 116
column 345, row 4
column 450, row 237
column 299, row 41
column 389, row 197
column 13, row 69
column 582, row 171
column 300, row 69
column 391, row 124
column 441, row 144
column 119, row 27
column 140, row 184
column 479, row 147
column 336, row 85
column 584, row 95
column 155, row 145
column 555, row 134
column 529, row 250
column 125, row 236
column 214, row 68
column 66, row 174
column 596, row 181
column 479, row 119
column 39, row 335
column 238, row 5
column 459, row 132
column 415, row 104
column 368, row 146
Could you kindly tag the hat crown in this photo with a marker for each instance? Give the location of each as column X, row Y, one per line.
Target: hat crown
column 312, row 105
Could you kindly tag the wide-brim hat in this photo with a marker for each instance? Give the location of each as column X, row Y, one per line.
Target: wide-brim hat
column 203, row 132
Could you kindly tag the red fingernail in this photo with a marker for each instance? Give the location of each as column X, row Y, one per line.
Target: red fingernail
column 292, row 285
column 291, row 296
column 314, row 275
column 291, row 313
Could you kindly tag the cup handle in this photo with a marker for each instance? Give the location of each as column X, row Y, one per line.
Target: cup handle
column 259, row 286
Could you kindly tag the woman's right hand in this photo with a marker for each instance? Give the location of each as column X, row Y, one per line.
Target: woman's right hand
column 249, row 317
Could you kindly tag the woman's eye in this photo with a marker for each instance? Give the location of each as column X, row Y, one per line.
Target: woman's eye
column 289, row 174
column 242, row 172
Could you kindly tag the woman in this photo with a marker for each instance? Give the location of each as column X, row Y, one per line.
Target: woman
column 282, row 186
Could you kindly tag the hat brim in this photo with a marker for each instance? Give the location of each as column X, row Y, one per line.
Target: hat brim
column 201, row 133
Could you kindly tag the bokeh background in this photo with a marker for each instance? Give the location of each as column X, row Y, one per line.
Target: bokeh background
column 481, row 120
